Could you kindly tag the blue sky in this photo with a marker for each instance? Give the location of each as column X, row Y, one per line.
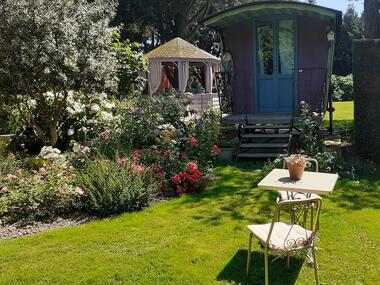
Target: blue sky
column 341, row 4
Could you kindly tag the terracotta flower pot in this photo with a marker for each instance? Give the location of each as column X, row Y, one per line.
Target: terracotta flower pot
column 296, row 171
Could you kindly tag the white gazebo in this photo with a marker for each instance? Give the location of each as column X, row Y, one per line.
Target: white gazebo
column 181, row 53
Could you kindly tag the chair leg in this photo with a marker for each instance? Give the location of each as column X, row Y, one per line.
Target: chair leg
column 266, row 267
column 288, row 261
column 315, row 266
column 249, row 253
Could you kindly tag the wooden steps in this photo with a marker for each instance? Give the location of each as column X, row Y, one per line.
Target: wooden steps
column 268, row 127
column 264, row 145
column 265, row 136
column 265, row 140
column 261, row 155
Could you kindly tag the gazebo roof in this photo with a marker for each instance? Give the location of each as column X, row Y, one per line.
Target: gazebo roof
column 179, row 49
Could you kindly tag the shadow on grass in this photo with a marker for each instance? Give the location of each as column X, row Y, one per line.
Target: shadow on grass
column 357, row 195
column 279, row 274
column 233, row 194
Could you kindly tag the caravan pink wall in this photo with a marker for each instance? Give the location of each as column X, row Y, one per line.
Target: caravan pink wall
column 312, row 60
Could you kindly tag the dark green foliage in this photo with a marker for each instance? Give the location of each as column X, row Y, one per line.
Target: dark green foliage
column 130, row 61
column 352, row 28
column 343, row 87
column 57, row 47
column 366, row 67
column 34, row 163
column 152, row 22
column 112, row 189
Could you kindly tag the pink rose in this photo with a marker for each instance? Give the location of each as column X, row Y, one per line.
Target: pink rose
column 78, row 192
column 41, row 170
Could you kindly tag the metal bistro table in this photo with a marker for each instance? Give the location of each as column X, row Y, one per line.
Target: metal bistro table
column 311, row 183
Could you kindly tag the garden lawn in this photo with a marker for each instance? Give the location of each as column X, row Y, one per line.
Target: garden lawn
column 343, row 120
column 202, row 240
column 343, row 111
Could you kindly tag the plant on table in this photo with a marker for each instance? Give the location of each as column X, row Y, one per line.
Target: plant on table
column 296, row 165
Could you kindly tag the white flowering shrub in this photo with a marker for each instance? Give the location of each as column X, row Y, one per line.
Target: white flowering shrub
column 83, row 119
column 55, row 46
column 52, row 154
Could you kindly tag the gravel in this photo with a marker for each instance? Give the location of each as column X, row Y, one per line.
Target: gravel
column 23, row 228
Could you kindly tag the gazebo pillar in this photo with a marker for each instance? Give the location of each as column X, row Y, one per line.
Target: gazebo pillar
column 181, row 79
column 183, row 75
column 209, row 77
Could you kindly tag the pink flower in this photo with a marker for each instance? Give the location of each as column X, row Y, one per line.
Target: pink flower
column 192, row 167
column 10, row 177
column 180, row 191
column 193, row 141
column 137, row 169
column 18, row 171
column 122, row 161
column 105, row 135
column 176, row 179
column 215, row 149
column 62, row 191
column 41, row 170
column 3, row 189
column 78, row 192
column 137, row 155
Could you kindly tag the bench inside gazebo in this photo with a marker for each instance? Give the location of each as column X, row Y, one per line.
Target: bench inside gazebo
column 169, row 67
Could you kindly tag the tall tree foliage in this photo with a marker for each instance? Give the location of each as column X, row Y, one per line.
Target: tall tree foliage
column 352, row 28
column 372, row 19
column 152, row 22
column 53, row 47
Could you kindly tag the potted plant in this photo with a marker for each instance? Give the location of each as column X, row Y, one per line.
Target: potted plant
column 228, row 148
column 296, row 165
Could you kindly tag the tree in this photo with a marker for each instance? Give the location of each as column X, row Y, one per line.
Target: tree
column 352, row 28
column 50, row 48
column 153, row 22
column 372, row 19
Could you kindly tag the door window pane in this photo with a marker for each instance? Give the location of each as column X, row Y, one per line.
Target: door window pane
column 286, row 46
column 265, row 48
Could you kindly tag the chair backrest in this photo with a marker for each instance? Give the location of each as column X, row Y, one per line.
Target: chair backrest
column 300, row 210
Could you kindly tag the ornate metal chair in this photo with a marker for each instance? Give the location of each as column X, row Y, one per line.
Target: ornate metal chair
column 284, row 239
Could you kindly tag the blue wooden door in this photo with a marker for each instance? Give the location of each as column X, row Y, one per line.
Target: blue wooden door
column 275, row 50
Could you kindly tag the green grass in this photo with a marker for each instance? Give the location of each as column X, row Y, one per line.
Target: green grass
column 343, row 119
column 343, row 110
column 202, row 240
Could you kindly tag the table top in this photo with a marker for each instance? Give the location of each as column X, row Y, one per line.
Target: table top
column 312, row 182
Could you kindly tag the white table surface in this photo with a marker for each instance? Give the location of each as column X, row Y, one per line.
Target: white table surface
column 312, row 182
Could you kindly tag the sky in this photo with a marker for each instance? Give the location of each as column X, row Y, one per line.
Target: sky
column 341, row 4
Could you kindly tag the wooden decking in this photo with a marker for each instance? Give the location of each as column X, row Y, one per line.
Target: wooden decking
column 248, row 119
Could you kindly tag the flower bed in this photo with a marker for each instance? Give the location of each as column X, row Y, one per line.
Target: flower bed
column 151, row 150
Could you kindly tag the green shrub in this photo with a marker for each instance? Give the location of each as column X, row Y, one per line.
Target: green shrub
column 130, row 61
column 343, row 88
column 112, row 188
column 34, row 163
column 39, row 194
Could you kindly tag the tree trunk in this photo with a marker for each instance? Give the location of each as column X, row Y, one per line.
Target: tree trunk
column 372, row 19
column 180, row 26
column 53, row 134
